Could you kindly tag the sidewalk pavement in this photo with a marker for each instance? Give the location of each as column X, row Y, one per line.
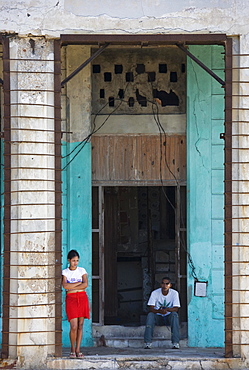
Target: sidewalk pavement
column 155, row 358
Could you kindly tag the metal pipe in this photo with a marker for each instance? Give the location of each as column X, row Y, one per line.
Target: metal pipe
column 143, row 39
column 58, row 194
column 83, row 65
column 55, row 135
column 228, row 200
column 7, row 188
column 202, row 65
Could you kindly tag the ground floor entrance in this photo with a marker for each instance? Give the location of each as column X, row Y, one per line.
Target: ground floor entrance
column 141, row 240
column 140, row 175
column 32, row 245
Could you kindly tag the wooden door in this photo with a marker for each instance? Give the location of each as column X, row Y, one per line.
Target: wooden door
column 111, row 224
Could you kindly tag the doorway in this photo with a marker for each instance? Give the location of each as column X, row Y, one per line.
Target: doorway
column 144, row 233
column 105, row 173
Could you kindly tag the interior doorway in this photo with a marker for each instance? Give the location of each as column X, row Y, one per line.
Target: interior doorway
column 141, row 240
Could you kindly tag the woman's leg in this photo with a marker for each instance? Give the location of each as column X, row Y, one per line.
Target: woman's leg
column 79, row 334
column 73, row 333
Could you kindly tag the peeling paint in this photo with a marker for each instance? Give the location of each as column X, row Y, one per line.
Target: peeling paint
column 46, row 18
column 205, row 229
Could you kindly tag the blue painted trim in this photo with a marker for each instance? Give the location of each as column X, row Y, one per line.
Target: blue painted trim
column 77, row 223
column 205, row 196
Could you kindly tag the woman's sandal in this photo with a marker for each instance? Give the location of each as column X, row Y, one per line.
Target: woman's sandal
column 79, row 355
column 72, row 355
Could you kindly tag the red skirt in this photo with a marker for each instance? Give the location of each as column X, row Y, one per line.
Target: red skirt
column 77, row 305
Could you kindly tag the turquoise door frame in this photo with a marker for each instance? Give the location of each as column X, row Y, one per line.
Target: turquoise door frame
column 205, row 196
column 77, row 222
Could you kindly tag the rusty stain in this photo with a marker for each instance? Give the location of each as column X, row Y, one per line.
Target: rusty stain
column 131, row 39
column 7, row 364
column 33, row 256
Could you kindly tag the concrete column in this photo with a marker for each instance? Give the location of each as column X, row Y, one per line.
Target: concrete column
column 32, row 243
column 241, row 201
column 79, row 93
column 77, row 229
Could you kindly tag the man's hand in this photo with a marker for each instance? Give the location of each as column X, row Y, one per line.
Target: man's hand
column 162, row 311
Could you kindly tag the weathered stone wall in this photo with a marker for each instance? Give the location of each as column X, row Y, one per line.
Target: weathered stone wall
column 76, row 172
column 133, row 16
column 32, row 243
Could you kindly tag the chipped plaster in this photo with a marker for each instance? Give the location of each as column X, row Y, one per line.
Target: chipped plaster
column 49, row 18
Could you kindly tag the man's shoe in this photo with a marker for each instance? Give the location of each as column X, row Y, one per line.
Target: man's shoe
column 147, row 345
column 175, row 346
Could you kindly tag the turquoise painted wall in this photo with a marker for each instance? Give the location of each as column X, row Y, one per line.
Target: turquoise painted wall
column 205, row 188
column 77, row 222
column 205, row 176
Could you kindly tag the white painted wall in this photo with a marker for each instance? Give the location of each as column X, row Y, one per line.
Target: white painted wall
column 53, row 17
column 32, row 243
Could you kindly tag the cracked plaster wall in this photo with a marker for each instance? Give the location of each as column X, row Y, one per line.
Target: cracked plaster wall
column 104, row 16
column 205, row 192
column 76, row 198
column 32, row 240
column 52, row 18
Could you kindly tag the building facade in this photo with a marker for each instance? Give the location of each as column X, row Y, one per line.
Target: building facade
column 124, row 136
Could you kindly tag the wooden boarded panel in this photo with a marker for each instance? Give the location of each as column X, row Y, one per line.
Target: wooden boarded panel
column 138, row 158
column 110, row 252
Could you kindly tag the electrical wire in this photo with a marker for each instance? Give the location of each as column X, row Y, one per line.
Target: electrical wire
column 163, row 142
column 161, row 133
column 94, row 130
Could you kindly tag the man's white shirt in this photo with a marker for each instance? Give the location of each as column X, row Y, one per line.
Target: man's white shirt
column 158, row 300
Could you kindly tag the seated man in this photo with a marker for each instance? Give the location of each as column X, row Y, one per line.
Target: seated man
column 163, row 305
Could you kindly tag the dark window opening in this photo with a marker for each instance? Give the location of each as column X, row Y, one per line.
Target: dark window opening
column 183, row 68
column 173, row 76
column 118, row 68
column 141, row 99
column 140, row 69
column 162, row 68
column 131, row 102
column 166, row 98
column 107, row 76
column 129, row 77
column 101, row 93
column 121, row 94
column 151, row 76
column 96, row 68
column 111, row 101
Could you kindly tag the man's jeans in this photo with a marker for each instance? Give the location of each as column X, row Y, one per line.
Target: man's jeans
column 154, row 319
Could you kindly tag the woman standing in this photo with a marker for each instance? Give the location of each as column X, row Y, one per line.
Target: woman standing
column 74, row 280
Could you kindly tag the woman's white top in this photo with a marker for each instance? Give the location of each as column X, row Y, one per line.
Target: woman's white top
column 74, row 276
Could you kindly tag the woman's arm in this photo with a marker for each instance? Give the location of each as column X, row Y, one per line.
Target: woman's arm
column 84, row 283
column 69, row 286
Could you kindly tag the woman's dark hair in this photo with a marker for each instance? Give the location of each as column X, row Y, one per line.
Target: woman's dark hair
column 73, row 253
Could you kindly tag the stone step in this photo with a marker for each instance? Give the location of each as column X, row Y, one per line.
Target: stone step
column 139, row 343
column 134, row 331
column 128, row 336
